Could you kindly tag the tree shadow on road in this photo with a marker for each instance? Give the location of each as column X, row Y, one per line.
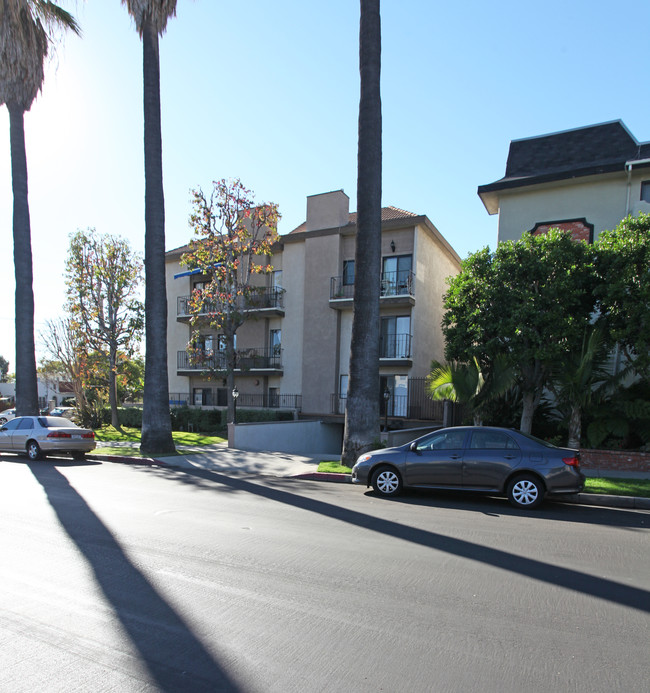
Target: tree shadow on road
column 575, row 580
column 174, row 656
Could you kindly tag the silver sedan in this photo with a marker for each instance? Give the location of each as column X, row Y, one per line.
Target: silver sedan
column 37, row 436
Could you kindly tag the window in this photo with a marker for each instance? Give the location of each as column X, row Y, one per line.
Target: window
column 343, row 386
column 202, row 396
column 450, row 440
column 348, row 272
column 25, row 423
column 275, row 341
column 645, row 190
column 396, row 276
column 492, row 440
column 277, row 279
column 395, row 339
column 397, row 404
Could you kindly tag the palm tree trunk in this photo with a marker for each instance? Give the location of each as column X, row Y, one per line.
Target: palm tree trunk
column 156, row 420
column 575, row 427
column 362, row 421
column 26, row 382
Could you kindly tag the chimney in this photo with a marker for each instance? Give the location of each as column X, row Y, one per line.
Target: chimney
column 327, row 210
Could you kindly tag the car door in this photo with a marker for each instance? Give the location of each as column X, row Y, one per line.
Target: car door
column 489, row 457
column 436, row 459
column 6, row 431
column 22, row 433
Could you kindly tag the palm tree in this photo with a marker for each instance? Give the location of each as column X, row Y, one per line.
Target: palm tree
column 583, row 379
column 27, row 28
column 466, row 383
column 150, row 18
column 362, row 407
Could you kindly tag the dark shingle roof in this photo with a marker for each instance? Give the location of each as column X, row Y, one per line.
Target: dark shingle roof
column 580, row 152
column 387, row 214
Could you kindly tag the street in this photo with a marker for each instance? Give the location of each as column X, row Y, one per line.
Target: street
column 129, row 578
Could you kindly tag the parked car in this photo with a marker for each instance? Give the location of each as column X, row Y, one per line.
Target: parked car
column 68, row 412
column 7, row 415
column 491, row 460
column 38, row 436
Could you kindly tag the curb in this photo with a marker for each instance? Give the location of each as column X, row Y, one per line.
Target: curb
column 325, row 476
column 633, row 502
column 124, row 459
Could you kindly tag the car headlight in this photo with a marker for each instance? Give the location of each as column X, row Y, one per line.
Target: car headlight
column 363, row 458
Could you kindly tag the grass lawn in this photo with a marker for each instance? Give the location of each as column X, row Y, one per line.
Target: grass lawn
column 608, row 486
column 108, row 434
column 618, row 487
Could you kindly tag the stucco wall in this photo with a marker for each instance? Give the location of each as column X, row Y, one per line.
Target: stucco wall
column 600, row 199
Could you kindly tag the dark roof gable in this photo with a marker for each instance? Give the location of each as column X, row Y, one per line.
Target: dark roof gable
column 592, row 146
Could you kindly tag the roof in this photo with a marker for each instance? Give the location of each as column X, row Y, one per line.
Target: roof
column 387, row 214
column 569, row 154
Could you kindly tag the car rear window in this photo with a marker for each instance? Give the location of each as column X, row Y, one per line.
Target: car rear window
column 55, row 422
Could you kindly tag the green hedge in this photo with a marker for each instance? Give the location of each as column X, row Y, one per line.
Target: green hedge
column 201, row 420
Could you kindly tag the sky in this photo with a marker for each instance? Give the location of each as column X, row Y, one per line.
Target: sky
column 268, row 92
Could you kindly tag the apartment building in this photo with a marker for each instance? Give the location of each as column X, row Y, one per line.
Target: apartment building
column 582, row 180
column 294, row 348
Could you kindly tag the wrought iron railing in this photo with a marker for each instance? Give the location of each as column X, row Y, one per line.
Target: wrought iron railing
column 259, row 299
column 414, row 405
column 245, row 359
column 395, row 346
column 401, row 283
column 256, row 401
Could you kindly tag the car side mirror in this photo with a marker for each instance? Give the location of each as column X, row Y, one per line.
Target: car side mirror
column 413, row 447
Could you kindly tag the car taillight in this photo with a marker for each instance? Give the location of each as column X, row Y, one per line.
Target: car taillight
column 88, row 435
column 571, row 461
column 58, row 434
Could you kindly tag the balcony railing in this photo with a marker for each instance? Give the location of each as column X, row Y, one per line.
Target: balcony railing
column 414, row 405
column 261, row 298
column 395, row 346
column 260, row 401
column 245, row 360
column 401, row 283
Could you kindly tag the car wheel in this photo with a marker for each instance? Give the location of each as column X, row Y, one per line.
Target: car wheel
column 387, row 482
column 526, row 491
column 3, row 421
column 33, row 450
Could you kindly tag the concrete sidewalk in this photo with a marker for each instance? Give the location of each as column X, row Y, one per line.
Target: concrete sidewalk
column 221, row 458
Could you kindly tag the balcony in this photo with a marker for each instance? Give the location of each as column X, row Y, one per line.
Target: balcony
column 396, row 289
column 395, row 350
column 268, row 361
column 263, row 300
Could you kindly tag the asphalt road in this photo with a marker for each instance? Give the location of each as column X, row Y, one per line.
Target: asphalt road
column 129, row 578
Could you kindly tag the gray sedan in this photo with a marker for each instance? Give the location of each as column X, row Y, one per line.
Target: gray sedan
column 497, row 461
column 38, row 436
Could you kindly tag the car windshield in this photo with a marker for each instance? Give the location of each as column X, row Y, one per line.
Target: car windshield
column 56, row 422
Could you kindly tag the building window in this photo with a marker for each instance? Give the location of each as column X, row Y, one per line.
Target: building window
column 343, row 385
column 395, row 337
column 397, row 403
column 645, row 190
column 348, row 272
column 277, row 279
column 396, row 276
column 202, row 396
column 275, row 344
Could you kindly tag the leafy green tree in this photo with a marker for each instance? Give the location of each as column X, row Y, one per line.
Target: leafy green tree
column 623, row 265
column 151, row 18
column 27, row 30
column 103, row 277
column 233, row 239
column 4, row 369
column 466, row 383
column 529, row 300
column 362, row 404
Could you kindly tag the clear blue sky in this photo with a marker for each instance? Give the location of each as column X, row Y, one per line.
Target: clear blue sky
column 268, row 92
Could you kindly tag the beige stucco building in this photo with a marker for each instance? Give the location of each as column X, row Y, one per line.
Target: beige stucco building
column 295, row 347
column 583, row 180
